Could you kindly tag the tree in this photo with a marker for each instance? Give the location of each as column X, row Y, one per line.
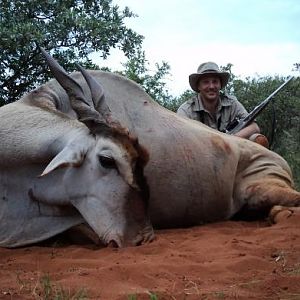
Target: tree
column 70, row 29
column 297, row 67
column 153, row 82
column 280, row 121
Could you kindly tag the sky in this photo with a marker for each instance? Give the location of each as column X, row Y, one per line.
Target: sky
column 259, row 37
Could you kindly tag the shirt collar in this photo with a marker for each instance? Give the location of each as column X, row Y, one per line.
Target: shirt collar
column 198, row 106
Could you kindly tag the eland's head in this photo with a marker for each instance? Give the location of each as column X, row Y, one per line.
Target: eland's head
column 102, row 167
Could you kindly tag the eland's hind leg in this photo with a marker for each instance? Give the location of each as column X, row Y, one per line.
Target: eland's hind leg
column 278, row 213
column 267, row 193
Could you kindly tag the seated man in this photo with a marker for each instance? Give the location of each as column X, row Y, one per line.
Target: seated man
column 213, row 108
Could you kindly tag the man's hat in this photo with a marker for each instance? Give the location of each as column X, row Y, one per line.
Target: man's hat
column 205, row 69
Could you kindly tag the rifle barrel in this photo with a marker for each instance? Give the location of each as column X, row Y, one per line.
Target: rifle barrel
column 257, row 109
column 278, row 89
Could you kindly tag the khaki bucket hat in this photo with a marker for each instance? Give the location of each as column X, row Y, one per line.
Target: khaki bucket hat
column 205, row 69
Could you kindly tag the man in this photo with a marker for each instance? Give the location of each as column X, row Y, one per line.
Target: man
column 210, row 106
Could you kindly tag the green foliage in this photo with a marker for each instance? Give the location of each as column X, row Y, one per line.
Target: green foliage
column 152, row 296
column 46, row 289
column 229, row 87
column 71, row 29
column 280, row 121
column 50, row 291
column 297, row 67
column 153, row 82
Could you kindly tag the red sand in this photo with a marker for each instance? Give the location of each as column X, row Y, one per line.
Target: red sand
column 226, row 260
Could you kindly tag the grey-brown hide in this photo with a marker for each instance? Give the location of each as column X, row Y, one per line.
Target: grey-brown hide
column 56, row 173
column 195, row 174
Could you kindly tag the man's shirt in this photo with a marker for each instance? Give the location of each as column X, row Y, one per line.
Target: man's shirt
column 228, row 109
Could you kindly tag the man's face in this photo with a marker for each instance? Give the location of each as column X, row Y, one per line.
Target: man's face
column 209, row 87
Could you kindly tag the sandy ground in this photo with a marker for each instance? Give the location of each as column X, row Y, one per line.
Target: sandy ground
column 226, row 260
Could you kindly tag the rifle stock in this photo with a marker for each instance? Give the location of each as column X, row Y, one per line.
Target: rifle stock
column 238, row 125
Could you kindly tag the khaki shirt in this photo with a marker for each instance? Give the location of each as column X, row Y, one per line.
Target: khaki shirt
column 228, row 109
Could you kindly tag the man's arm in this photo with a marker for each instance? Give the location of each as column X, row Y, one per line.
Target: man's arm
column 240, row 112
column 248, row 131
column 182, row 112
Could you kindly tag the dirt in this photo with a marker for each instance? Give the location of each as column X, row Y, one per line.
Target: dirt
column 226, row 260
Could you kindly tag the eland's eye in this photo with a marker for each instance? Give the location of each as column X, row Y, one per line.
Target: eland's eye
column 107, row 162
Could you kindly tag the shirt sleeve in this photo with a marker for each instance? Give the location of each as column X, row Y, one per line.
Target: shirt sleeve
column 239, row 110
column 183, row 112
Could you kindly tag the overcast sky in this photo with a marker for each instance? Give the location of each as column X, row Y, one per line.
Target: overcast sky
column 259, row 37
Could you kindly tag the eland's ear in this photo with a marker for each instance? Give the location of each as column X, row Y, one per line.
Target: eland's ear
column 71, row 156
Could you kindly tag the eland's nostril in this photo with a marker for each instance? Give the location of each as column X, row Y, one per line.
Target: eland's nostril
column 112, row 244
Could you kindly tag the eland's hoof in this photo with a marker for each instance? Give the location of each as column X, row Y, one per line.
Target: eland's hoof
column 279, row 213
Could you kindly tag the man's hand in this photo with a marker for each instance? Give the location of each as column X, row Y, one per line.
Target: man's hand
column 248, row 131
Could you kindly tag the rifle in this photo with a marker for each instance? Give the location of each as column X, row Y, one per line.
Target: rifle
column 238, row 124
